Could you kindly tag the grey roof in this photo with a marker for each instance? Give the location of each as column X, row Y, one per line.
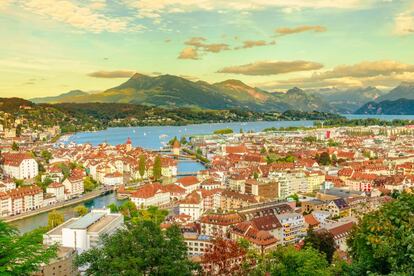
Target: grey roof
column 86, row 221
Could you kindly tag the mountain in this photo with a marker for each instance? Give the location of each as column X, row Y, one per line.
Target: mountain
column 404, row 91
column 397, row 107
column 172, row 91
column 65, row 97
column 348, row 100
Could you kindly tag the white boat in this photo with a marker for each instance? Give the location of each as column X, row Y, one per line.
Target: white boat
column 162, row 136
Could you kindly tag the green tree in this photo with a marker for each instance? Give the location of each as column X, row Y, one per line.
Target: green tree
column 183, row 141
column 324, row 159
column 152, row 213
column 81, row 210
column 15, row 146
column 22, row 254
column 310, row 139
column 323, row 241
column 54, row 219
column 46, row 155
column 142, row 165
column 89, row 184
column 383, row 242
column 288, row 261
column 139, row 249
column 223, row 131
column 157, row 168
column 113, row 208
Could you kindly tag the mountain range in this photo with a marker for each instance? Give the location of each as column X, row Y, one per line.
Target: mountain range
column 169, row 91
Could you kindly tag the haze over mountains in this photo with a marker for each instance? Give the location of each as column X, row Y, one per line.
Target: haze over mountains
column 173, row 91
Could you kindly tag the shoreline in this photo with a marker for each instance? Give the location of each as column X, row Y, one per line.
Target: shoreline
column 85, row 197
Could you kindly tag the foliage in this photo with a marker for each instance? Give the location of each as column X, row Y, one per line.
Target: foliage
column 132, row 213
column 157, row 168
column 54, row 219
column 81, row 210
column 18, row 182
column 222, row 256
column 223, row 131
column 139, row 249
column 288, row 261
column 333, row 143
column 46, row 155
column 324, row 159
column 383, row 241
column 22, row 254
column 15, row 146
column 323, row 241
column 43, row 184
column 273, row 158
column 142, row 165
column 310, row 139
column 89, row 184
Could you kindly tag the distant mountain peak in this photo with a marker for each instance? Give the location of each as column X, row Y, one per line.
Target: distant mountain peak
column 295, row 90
column 233, row 82
column 138, row 76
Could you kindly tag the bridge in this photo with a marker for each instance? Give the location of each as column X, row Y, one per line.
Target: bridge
column 182, row 174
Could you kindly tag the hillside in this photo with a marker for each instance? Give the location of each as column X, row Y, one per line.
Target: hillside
column 170, row 91
column 65, row 97
column 348, row 100
column 397, row 107
column 404, row 91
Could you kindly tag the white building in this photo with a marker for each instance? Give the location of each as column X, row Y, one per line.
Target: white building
column 74, row 184
column 83, row 233
column 20, row 200
column 293, row 227
column 192, row 205
column 150, row 195
column 113, row 179
column 19, row 165
column 56, row 189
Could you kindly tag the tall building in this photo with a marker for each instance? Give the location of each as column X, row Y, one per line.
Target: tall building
column 19, row 165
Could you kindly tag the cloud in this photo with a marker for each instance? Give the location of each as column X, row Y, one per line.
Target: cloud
column 112, row 74
column 155, row 8
column 255, row 43
column 85, row 17
column 189, row 53
column 300, row 29
column 385, row 73
column 404, row 22
column 200, row 43
column 262, row 68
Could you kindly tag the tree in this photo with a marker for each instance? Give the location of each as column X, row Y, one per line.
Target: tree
column 324, row 159
column 183, row 141
column 157, row 168
column 46, row 155
column 113, row 208
column 224, row 257
column 81, row 210
column 22, row 254
column 288, row 261
column 383, row 241
column 54, row 219
column 139, row 249
column 15, row 146
column 152, row 213
column 89, row 184
column 323, row 241
column 223, row 131
column 142, row 165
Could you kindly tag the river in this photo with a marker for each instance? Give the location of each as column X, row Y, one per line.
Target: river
column 153, row 138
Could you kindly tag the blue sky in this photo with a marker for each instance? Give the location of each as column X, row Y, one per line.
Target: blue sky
column 52, row 46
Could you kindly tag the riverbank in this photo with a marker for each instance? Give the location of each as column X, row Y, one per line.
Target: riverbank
column 85, row 197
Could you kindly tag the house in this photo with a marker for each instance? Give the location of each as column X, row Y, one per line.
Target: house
column 339, row 208
column 341, row 232
column 218, row 224
column 19, row 165
column 176, row 192
column 113, row 179
column 74, row 184
column 293, row 226
column 261, row 189
column 20, row 200
column 56, row 189
column 192, row 205
column 153, row 194
column 260, row 239
column 189, row 183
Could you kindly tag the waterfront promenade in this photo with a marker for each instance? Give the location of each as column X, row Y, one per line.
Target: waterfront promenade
column 74, row 201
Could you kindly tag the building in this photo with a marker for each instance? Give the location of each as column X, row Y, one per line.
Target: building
column 176, row 147
column 83, row 233
column 74, row 184
column 62, row 265
column 153, row 194
column 260, row 189
column 293, row 226
column 192, row 205
column 189, row 183
column 56, row 189
column 19, row 165
column 113, row 179
column 20, row 200
column 196, row 244
column 218, row 224
column 339, row 208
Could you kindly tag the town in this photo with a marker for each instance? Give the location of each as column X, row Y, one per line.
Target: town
column 268, row 188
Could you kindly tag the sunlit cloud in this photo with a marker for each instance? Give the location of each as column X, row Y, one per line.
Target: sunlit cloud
column 112, row 74
column 189, row 53
column 263, row 68
column 300, row 29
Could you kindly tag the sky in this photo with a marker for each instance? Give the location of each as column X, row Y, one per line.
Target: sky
column 48, row 47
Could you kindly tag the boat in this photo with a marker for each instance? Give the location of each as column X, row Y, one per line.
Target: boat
column 162, row 136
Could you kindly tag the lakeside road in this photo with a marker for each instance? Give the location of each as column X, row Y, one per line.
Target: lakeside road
column 85, row 197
